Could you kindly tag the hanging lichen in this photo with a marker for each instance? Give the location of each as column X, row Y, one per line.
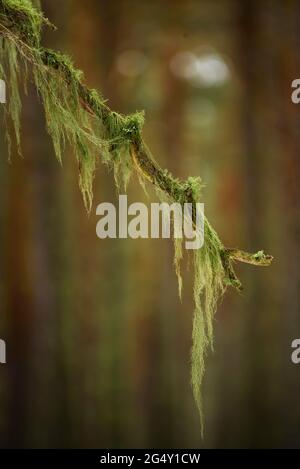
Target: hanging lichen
column 78, row 116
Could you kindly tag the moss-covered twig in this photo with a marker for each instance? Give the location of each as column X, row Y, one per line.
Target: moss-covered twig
column 24, row 21
column 81, row 117
column 151, row 171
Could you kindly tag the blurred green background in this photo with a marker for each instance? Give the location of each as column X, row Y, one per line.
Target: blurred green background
column 98, row 343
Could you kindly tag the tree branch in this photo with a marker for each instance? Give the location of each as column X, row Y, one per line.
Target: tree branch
column 12, row 23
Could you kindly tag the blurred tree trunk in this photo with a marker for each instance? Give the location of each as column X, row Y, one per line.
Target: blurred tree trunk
column 19, row 305
column 249, row 47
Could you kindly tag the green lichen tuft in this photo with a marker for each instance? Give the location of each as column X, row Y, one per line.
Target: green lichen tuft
column 68, row 122
column 208, row 287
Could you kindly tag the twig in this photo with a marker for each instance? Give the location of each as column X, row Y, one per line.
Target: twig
column 143, row 161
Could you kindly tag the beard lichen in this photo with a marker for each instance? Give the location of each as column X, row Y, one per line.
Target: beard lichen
column 79, row 116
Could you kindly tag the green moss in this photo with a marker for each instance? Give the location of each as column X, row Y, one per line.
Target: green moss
column 14, row 105
column 259, row 255
column 25, row 18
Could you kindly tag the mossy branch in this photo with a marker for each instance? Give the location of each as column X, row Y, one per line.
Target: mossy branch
column 80, row 116
column 177, row 190
column 21, row 20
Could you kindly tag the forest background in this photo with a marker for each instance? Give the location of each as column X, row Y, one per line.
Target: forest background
column 98, row 343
